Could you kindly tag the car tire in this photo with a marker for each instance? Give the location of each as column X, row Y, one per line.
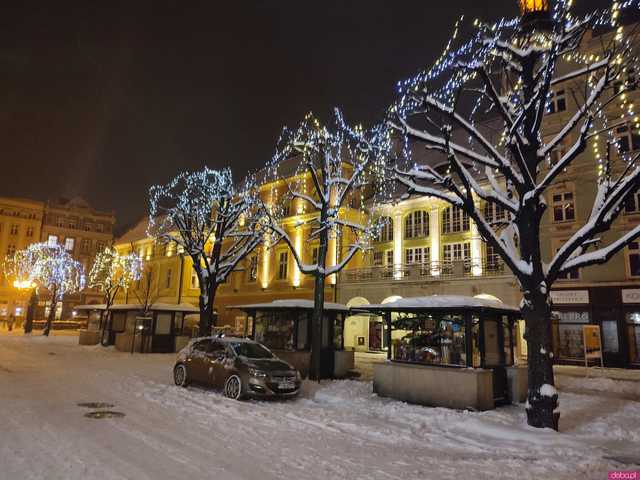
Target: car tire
column 180, row 376
column 233, row 388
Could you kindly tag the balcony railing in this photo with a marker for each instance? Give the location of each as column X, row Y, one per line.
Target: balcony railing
column 432, row 271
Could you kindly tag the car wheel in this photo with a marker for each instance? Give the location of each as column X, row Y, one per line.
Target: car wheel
column 233, row 388
column 180, row 375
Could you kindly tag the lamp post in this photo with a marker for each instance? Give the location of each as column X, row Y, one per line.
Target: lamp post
column 33, row 301
column 535, row 14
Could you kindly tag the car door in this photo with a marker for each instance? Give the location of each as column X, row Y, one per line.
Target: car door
column 217, row 357
column 198, row 361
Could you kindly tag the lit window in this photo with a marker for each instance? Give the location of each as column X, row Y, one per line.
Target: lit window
column 386, row 230
column 454, row 220
column 557, row 101
column 416, row 256
column 14, row 230
column 69, row 243
column 29, row 231
column 11, row 249
column 563, row 207
column 389, row 257
column 416, row 225
column 494, row 213
column 283, row 265
column 315, row 253
column 378, row 258
column 194, row 279
column 52, row 240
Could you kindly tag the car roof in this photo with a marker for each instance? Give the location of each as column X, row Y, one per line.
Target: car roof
column 225, row 339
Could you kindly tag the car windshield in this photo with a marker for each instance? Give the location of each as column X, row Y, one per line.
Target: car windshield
column 251, row 350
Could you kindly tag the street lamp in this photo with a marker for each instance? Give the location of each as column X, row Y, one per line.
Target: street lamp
column 535, row 13
column 33, row 301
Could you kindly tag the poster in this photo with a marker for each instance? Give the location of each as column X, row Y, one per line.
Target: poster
column 592, row 343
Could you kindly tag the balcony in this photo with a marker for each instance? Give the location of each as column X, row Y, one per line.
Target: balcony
column 427, row 272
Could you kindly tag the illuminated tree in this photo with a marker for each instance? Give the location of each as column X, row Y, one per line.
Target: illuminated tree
column 510, row 70
column 334, row 173
column 112, row 272
column 214, row 220
column 50, row 267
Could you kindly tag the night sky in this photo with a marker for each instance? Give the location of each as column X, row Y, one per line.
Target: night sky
column 103, row 102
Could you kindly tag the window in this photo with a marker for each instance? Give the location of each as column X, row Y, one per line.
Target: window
column 454, row 220
column 85, row 245
column 11, row 249
column 100, row 247
column 99, row 228
column 494, row 213
column 72, row 223
column 435, row 340
column 573, row 274
column 389, row 257
column 60, row 222
column 87, row 226
column 416, row 256
column 315, row 253
column 167, row 283
column 493, row 260
column 558, row 152
column 14, row 230
column 563, row 207
column 69, row 244
column 386, row 230
column 283, row 265
column 252, row 274
column 52, row 240
column 29, row 231
column 628, row 139
column 457, row 251
column 416, row 225
column 634, row 259
column 557, row 101
column 378, row 259
column 194, row 279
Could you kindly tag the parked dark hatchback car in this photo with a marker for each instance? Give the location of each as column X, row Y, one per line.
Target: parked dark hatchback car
column 240, row 367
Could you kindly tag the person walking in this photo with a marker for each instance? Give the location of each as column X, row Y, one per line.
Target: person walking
column 10, row 322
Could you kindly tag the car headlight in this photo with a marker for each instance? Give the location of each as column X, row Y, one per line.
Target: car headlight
column 257, row 373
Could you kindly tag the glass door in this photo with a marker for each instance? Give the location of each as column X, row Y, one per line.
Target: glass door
column 611, row 344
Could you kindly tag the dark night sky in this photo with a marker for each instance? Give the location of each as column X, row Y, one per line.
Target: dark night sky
column 105, row 101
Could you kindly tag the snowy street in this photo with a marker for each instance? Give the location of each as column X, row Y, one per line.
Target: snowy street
column 335, row 430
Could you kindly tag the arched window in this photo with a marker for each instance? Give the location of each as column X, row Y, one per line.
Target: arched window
column 416, row 224
column 386, row 230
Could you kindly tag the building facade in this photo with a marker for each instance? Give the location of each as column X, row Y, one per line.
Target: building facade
column 73, row 223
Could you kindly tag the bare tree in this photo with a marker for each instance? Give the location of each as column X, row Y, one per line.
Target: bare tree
column 214, row 220
column 510, row 70
column 334, row 169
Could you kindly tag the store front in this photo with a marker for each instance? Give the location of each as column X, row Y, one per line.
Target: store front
column 473, row 338
column 284, row 326
column 616, row 313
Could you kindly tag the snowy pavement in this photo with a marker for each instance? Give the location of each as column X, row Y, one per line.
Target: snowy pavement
column 335, row 430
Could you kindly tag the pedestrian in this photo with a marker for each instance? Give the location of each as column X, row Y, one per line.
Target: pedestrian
column 10, row 321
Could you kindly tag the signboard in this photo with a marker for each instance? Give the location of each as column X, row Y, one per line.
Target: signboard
column 570, row 297
column 631, row 295
column 592, row 342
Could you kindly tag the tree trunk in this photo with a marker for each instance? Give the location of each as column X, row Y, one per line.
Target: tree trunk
column 207, row 299
column 316, row 327
column 52, row 313
column 31, row 311
column 542, row 397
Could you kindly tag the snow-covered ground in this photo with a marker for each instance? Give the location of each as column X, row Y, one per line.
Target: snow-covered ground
column 335, row 430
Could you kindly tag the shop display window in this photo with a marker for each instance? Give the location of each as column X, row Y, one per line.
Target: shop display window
column 570, row 340
column 431, row 340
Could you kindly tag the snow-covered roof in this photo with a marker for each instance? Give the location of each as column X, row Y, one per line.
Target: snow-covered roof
column 439, row 302
column 160, row 307
column 294, row 303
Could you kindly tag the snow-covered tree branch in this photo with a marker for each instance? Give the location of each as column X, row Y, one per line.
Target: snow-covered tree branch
column 215, row 221
column 513, row 74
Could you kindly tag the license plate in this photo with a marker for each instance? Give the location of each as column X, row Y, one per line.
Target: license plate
column 286, row 385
